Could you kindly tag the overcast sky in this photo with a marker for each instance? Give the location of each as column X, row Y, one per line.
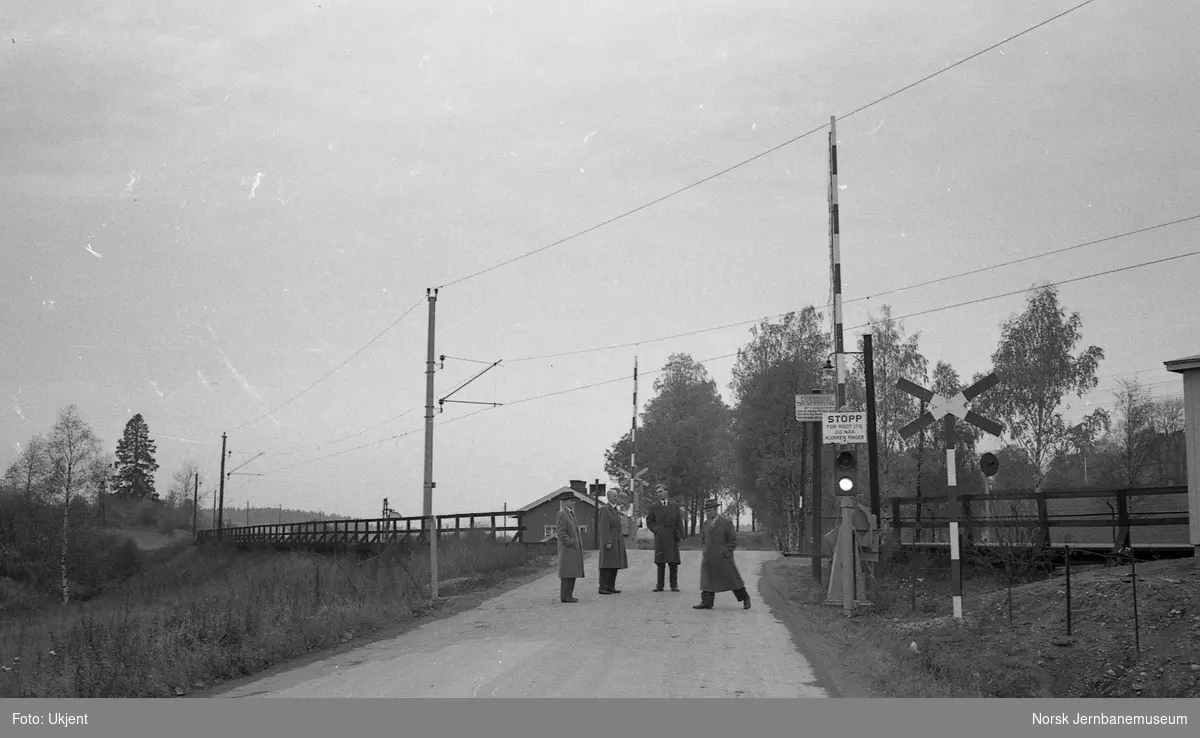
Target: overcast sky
column 209, row 206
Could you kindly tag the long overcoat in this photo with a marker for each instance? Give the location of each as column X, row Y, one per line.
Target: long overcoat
column 718, row 572
column 666, row 523
column 570, row 548
column 611, row 534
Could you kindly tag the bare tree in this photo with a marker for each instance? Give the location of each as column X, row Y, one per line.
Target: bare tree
column 1133, row 437
column 99, row 480
column 182, row 482
column 1168, row 419
column 72, row 447
column 29, row 472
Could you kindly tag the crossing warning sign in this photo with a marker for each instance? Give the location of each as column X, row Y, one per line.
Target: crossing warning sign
column 812, row 408
column 845, row 427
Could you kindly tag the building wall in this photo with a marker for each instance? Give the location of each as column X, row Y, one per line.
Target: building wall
column 1191, row 399
column 547, row 514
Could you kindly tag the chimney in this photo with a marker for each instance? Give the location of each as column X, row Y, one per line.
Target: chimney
column 579, row 486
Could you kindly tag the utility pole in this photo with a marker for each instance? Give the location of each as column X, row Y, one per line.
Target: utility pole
column 195, row 502
column 817, row 538
column 633, row 482
column 247, row 513
column 872, row 435
column 431, row 521
column 221, row 503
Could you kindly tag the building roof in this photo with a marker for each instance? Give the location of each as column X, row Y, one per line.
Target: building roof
column 1183, row 365
column 563, row 492
column 560, row 492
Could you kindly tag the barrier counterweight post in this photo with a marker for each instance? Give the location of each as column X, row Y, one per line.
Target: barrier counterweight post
column 955, row 533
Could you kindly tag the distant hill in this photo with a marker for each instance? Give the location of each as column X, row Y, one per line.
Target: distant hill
column 237, row 518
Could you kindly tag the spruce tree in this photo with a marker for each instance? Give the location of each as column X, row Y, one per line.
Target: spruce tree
column 134, row 476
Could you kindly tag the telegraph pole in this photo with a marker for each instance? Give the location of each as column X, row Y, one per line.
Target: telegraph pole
column 195, row 502
column 872, row 435
column 429, row 485
column 221, row 503
column 633, row 482
column 817, row 538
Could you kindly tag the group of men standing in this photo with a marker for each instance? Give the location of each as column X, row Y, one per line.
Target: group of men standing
column 665, row 519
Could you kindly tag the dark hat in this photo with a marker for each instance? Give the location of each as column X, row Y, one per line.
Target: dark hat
column 710, row 503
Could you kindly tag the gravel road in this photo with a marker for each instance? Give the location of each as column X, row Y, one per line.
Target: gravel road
column 525, row 643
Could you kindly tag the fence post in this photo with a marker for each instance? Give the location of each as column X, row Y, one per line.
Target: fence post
column 1068, row 563
column 1043, row 522
column 1122, row 520
column 897, row 531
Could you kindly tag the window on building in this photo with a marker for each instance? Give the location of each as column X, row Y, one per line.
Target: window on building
column 548, row 531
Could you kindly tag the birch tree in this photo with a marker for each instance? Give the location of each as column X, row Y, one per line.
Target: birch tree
column 71, row 448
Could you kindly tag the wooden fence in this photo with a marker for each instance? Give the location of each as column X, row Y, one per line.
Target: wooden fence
column 367, row 532
column 1081, row 517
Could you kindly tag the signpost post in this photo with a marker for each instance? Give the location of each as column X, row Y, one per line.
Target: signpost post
column 635, row 481
column 947, row 409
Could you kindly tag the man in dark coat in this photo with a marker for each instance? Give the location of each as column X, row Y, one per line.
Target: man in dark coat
column 612, row 547
column 665, row 521
column 570, row 549
column 718, row 572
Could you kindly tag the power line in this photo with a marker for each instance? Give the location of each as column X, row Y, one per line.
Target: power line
column 359, row 433
column 724, row 356
column 946, row 278
column 484, row 410
column 1048, row 284
column 761, row 154
column 864, row 325
column 330, row 373
column 1027, row 258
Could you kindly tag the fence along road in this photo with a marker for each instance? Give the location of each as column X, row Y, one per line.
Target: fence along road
column 525, row 643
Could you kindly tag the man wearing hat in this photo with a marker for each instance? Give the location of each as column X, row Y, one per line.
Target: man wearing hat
column 570, row 549
column 665, row 521
column 612, row 547
column 718, row 572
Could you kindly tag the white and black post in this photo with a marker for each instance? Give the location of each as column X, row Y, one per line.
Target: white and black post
column 835, row 255
column 952, row 498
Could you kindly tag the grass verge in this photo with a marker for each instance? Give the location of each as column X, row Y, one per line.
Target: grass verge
column 909, row 645
column 197, row 616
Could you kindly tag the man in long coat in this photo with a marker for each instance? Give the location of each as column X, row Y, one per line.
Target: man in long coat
column 612, row 547
column 718, row 572
column 570, row 550
column 665, row 521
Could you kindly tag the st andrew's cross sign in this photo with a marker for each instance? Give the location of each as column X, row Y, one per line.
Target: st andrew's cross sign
column 949, row 408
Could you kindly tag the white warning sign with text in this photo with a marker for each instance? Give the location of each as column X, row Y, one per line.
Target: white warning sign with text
column 844, row 427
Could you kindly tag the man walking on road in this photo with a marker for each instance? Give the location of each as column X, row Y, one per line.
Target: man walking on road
column 665, row 521
column 612, row 547
column 570, row 549
column 718, row 572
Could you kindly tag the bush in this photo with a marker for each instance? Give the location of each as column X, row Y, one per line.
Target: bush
column 127, row 560
column 147, row 514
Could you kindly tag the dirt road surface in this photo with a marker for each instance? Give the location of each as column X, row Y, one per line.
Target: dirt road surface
column 525, row 643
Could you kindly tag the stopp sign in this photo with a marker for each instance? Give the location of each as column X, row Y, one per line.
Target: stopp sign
column 844, row 427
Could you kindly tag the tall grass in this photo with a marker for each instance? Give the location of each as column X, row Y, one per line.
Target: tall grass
column 201, row 614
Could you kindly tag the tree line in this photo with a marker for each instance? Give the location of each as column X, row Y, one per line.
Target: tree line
column 751, row 452
column 63, row 492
